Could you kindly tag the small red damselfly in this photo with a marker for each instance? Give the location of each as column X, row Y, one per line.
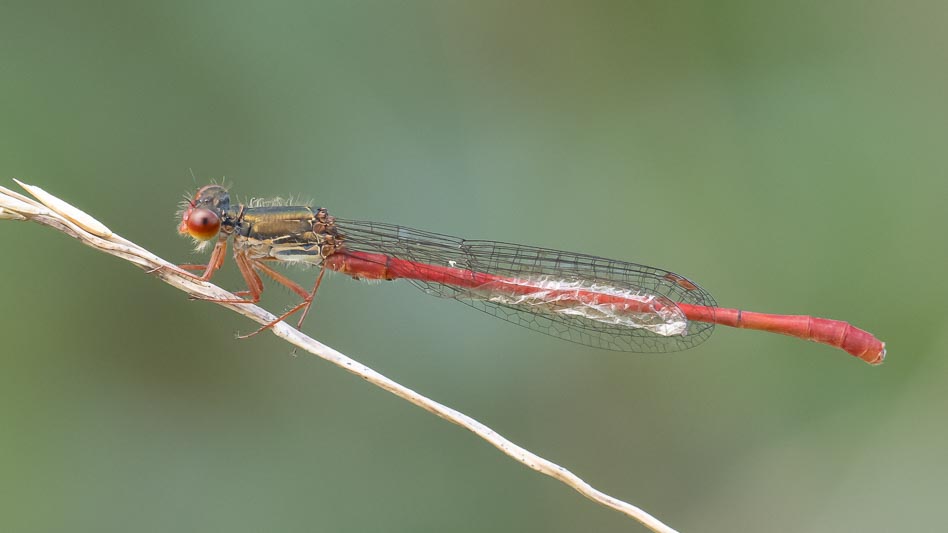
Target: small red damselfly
column 581, row 298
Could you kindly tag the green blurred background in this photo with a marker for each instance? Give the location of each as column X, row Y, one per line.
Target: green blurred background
column 790, row 157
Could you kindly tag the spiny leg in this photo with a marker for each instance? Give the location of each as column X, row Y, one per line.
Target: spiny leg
column 213, row 263
column 282, row 280
column 253, row 281
column 254, row 290
column 312, row 295
column 304, row 305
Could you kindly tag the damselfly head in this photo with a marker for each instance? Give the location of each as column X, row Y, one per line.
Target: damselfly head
column 201, row 216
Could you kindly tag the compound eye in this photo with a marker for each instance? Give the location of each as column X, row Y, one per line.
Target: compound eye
column 203, row 224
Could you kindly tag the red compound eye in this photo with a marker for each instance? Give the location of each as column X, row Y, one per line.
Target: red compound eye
column 203, row 224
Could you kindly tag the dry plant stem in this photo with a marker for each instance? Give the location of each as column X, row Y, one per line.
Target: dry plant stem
column 61, row 216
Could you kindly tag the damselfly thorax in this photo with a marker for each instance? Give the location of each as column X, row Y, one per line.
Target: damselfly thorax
column 299, row 234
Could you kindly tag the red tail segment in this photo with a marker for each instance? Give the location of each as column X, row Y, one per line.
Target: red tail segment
column 835, row 333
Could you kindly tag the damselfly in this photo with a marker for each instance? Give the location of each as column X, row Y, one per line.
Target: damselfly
column 581, row 298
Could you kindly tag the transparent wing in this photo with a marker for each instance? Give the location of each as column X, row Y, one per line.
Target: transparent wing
column 552, row 273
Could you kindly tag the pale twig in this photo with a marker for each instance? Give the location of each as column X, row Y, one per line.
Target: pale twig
column 53, row 212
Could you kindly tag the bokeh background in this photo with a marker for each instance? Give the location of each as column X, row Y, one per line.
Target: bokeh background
column 789, row 156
